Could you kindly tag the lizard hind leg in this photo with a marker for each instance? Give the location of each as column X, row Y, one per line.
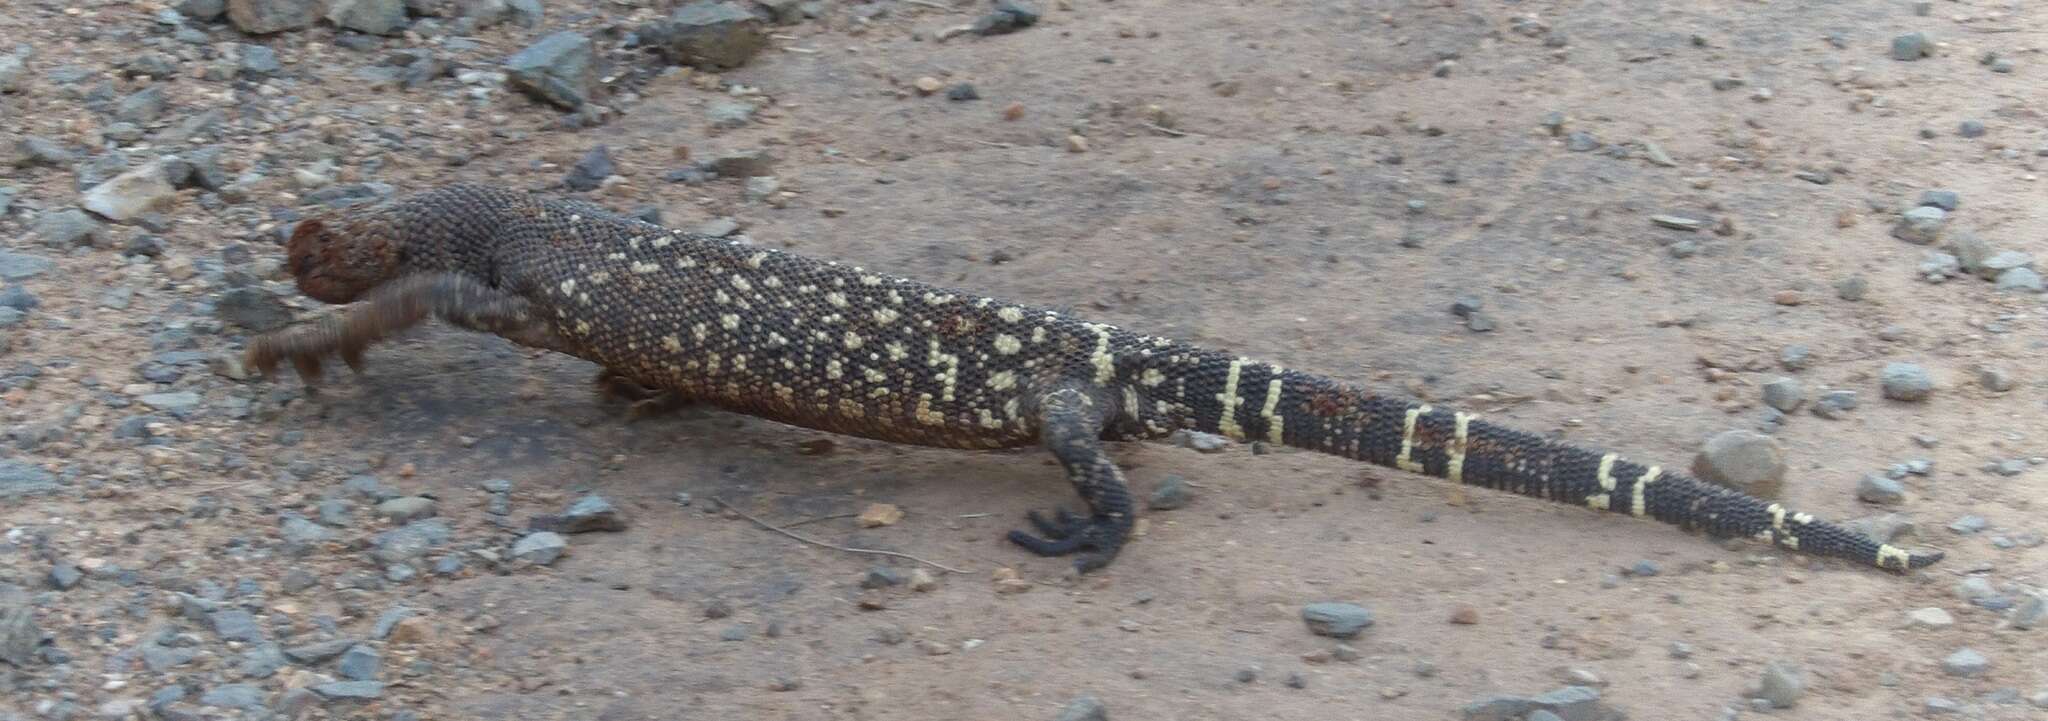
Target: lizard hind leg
column 641, row 401
column 1071, row 424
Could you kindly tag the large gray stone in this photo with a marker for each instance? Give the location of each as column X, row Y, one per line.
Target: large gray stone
column 1336, row 620
column 19, row 479
column 557, row 69
column 263, row 17
column 127, row 196
column 709, row 35
column 376, row 17
column 1745, row 460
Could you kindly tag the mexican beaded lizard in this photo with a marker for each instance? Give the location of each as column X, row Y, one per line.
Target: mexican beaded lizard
column 674, row 318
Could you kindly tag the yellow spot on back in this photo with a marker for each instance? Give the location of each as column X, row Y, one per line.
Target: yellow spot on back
column 1010, row 314
column 756, row 259
column 1007, row 344
column 885, row 316
column 832, row 369
column 672, row 343
column 1002, row 380
column 1889, row 556
column 699, row 331
column 836, row 298
column 874, row 376
column 870, row 280
column 896, row 351
column 741, row 283
column 1152, row 377
column 644, row 268
column 569, row 287
column 1038, row 334
column 600, row 277
column 729, row 321
column 852, row 341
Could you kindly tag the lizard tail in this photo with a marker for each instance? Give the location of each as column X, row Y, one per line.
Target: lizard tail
column 1260, row 401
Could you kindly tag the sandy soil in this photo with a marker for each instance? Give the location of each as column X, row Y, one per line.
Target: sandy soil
column 1307, row 183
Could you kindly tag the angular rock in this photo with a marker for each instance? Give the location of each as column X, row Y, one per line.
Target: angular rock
column 131, row 194
column 350, row 690
column 1911, row 46
column 1172, row 493
column 1875, row 488
column 1336, row 620
column 587, row 514
column 1085, row 708
column 407, row 509
column 142, row 106
column 359, row 663
column 411, row 540
column 263, row 17
column 12, row 70
column 319, row 652
column 1742, row 459
column 234, row 624
column 1930, row 618
column 252, row 308
column 1782, row 685
column 19, row 635
column 69, row 228
column 590, row 170
column 234, row 695
column 1966, row 663
column 708, row 35
column 2020, row 280
column 557, row 69
column 205, row 11
column 543, row 547
column 20, row 479
column 376, row 17
column 1921, row 226
column 1785, row 394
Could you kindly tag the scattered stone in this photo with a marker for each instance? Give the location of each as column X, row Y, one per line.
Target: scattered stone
column 19, row 635
column 407, row 509
column 1834, row 404
column 1930, row 618
column 2030, row 613
column 411, row 540
column 1947, row 200
column 376, row 17
column 1580, row 141
column 1782, row 685
column 708, row 35
column 590, row 170
column 1908, row 382
column 258, row 62
column 2020, row 280
column 235, row 695
column 543, row 547
column 68, row 228
column 1085, row 708
column 1970, row 128
column 131, row 194
column 1743, row 459
column 359, row 663
column 1644, row 568
column 142, row 106
column 742, row 164
column 319, row 652
column 1880, row 490
column 727, row 115
column 1852, row 288
column 350, row 690
column 557, row 69
column 1171, row 494
column 234, row 624
column 1911, row 46
column 1968, row 525
column 877, row 515
column 263, row 17
column 1966, row 663
column 587, row 514
column 12, row 70
column 1996, row 380
column 1009, row 16
column 1921, row 225
column 252, row 308
column 1785, row 394
column 1795, row 357
column 1678, row 222
column 1336, row 620
column 962, row 92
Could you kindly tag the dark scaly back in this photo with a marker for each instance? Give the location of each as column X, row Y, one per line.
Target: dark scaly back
column 1249, row 400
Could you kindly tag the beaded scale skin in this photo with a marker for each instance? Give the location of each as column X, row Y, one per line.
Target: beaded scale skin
column 673, row 318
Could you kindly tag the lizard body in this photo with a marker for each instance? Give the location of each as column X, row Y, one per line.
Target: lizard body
column 675, row 318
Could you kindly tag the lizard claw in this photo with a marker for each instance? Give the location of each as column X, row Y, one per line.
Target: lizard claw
column 1096, row 539
column 642, row 402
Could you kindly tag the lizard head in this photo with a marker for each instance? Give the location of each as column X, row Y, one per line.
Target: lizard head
column 338, row 257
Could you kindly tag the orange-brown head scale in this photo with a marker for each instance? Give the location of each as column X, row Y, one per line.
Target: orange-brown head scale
column 337, row 260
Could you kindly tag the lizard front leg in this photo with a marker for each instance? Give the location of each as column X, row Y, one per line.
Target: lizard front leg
column 641, row 401
column 394, row 307
column 1070, row 423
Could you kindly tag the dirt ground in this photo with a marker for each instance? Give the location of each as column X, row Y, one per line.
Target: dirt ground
column 1311, row 183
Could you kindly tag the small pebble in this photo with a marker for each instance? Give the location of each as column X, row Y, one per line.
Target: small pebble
column 1878, row 489
column 1782, row 685
column 1965, row 663
column 1903, row 381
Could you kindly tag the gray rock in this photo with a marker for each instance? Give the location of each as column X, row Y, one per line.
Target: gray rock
column 411, row 540
column 1498, row 708
column 389, row 620
column 294, row 703
column 174, row 401
column 1921, row 225
column 1970, row 128
column 1996, row 380
column 1967, row 525
column 297, row 529
column 19, row 635
column 1795, row 357
column 2020, row 280
column 1085, row 708
column 1852, row 288
column 1930, row 618
column 376, row 17
column 252, row 308
column 1966, row 663
column 297, row 579
column 205, row 11
column 234, row 624
column 543, row 547
column 69, row 228
column 1785, row 394
column 258, row 62
column 262, row 661
column 235, row 695
column 12, row 70
column 1782, row 685
column 360, row 663
column 64, row 575
column 1999, row 262
column 2029, row 613
column 742, row 164
column 727, row 115
column 319, row 652
column 1941, row 706
column 407, row 509
column 1911, row 46
column 1171, row 494
column 1336, row 620
column 127, row 196
column 1947, row 200
column 556, row 69
column 587, row 514
column 1744, row 460
column 709, row 35
column 1975, row 588
column 141, row 107
column 1878, row 489
column 1903, row 381
column 20, row 479
column 39, row 151
column 263, row 17
column 350, row 690
column 1834, row 404
column 590, row 170
column 1009, row 16
column 1580, row 141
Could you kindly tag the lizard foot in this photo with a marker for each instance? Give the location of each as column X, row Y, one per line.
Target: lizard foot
column 1096, row 539
column 641, row 401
